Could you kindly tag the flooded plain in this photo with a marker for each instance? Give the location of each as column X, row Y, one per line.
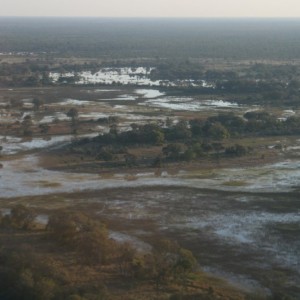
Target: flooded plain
column 246, row 233
column 242, row 223
column 23, row 176
column 245, row 236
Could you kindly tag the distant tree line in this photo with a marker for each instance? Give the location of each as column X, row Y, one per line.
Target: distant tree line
column 228, row 39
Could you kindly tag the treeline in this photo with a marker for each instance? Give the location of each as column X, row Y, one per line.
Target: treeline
column 263, row 92
column 256, row 84
column 25, row 74
column 42, row 265
column 192, row 69
column 186, row 140
column 177, row 70
column 108, row 38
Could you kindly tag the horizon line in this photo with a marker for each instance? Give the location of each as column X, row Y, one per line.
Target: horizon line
column 157, row 17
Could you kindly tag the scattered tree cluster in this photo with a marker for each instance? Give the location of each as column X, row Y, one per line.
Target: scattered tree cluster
column 186, row 140
column 25, row 273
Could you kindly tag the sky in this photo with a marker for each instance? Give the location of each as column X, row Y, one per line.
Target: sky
column 151, row 8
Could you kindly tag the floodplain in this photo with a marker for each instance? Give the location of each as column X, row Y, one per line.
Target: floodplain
column 212, row 166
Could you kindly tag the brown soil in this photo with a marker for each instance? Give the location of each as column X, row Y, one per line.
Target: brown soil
column 78, row 164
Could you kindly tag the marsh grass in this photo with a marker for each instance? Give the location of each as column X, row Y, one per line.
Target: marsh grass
column 48, row 184
column 235, row 183
column 129, row 177
column 200, row 174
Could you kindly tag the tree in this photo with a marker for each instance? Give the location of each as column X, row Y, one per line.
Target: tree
column 113, row 129
column 198, row 149
column 21, row 217
column 186, row 263
column 236, row 150
column 189, row 154
column 151, row 134
column 44, row 128
column 64, row 226
column 88, row 237
column 93, row 245
column 217, row 131
column 26, row 124
column 73, row 114
column 169, row 261
column 218, row 147
column 158, row 161
column 172, row 151
column 37, row 103
column 125, row 259
column 196, row 127
column 163, row 260
column 130, row 160
column 180, row 131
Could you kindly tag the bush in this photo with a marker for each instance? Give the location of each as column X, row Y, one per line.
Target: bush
column 236, row 150
column 88, row 237
column 21, row 217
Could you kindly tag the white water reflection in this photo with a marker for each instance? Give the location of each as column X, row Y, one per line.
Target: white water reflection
column 57, row 116
column 75, row 102
column 125, row 76
column 149, row 93
column 241, row 226
column 190, row 104
column 23, row 176
column 13, row 145
column 136, row 76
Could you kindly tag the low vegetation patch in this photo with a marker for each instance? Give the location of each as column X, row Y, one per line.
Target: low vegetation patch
column 235, row 183
column 72, row 257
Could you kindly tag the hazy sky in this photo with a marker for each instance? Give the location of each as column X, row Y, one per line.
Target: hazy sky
column 152, row 8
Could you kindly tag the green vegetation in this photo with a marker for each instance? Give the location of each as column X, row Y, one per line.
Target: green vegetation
column 249, row 62
column 207, row 50
column 42, row 264
column 20, row 217
column 216, row 137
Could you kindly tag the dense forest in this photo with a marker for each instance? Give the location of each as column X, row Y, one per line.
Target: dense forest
column 131, row 38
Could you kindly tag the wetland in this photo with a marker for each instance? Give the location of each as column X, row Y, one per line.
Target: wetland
column 203, row 152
